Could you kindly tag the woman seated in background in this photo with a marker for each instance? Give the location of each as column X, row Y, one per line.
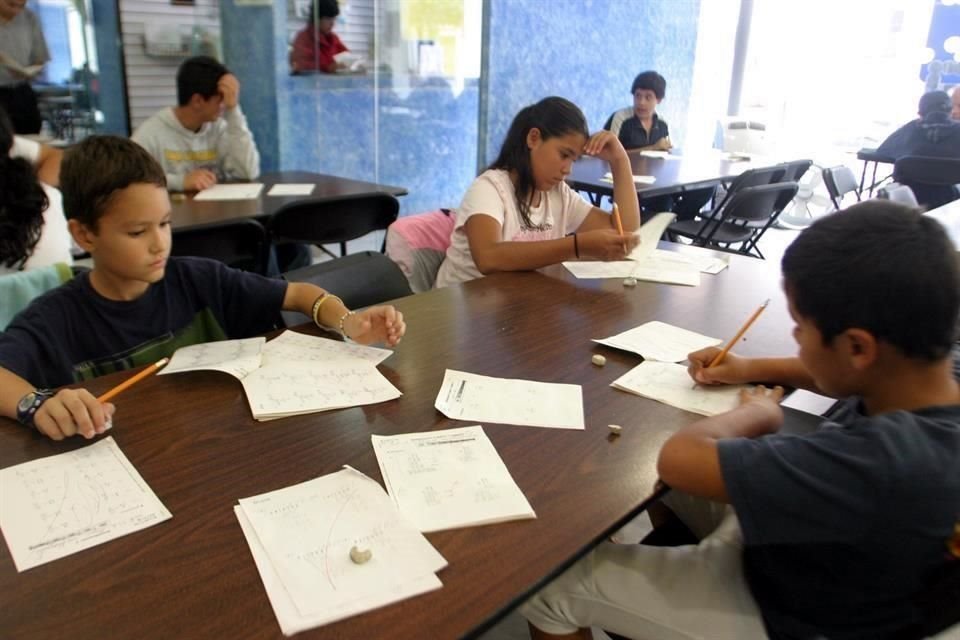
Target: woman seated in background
column 33, row 229
column 315, row 46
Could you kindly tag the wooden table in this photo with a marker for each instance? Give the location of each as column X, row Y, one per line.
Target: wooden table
column 192, row 439
column 673, row 174
column 191, row 213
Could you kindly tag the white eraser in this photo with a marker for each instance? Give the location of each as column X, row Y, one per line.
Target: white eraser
column 615, row 429
column 360, row 555
column 598, row 360
column 630, row 282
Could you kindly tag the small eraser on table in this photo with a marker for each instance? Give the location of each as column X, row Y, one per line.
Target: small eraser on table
column 598, row 360
column 630, row 282
column 360, row 555
column 615, row 429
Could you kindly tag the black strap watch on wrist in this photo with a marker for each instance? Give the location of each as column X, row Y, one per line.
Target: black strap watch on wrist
column 30, row 403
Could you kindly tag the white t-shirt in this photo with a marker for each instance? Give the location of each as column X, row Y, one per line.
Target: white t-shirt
column 55, row 241
column 561, row 211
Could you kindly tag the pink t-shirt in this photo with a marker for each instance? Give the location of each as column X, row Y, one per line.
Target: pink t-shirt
column 561, row 211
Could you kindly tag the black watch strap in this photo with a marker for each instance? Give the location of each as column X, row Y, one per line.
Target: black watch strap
column 30, row 403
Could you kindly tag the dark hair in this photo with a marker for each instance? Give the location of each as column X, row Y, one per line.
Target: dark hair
column 22, row 202
column 94, row 170
column 323, row 9
column 199, row 74
column 651, row 81
column 882, row 267
column 554, row 117
column 934, row 101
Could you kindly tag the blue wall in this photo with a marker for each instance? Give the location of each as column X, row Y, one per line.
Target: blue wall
column 112, row 99
column 587, row 51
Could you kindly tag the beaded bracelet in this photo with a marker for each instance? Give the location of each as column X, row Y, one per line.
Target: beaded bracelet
column 343, row 319
column 319, row 303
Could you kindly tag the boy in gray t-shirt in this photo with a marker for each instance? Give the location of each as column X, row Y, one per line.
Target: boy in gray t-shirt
column 836, row 534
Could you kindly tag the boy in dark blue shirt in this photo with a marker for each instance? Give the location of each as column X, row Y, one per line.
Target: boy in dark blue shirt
column 138, row 304
column 835, row 534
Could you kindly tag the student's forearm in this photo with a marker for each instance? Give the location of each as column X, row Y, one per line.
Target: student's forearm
column 788, row 372
column 241, row 157
column 625, row 193
column 524, row 256
column 689, row 460
column 12, row 388
column 300, row 297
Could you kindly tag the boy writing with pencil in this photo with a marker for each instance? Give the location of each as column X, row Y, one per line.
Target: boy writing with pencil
column 836, row 534
column 138, row 304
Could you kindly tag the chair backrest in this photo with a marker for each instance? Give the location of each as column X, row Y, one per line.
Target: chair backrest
column 896, row 192
column 927, row 170
column 795, row 169
column 418, row 244
column 840, row 181
column 333, row 221
column 759, row 204
column 240, row 243
column 752, row 178
column 360, row 279
column 18, row 289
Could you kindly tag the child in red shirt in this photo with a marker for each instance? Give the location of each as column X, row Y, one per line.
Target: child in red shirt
column 316, row 44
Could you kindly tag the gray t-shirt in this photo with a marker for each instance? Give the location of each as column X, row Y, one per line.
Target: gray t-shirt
column 840, row 526
column 21, row 40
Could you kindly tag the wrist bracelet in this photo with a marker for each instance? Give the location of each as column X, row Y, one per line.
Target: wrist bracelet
column 343, row 319
column 576, row 247
column 315, row 311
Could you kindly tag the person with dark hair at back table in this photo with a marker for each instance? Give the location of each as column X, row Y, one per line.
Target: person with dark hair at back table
column 955, row 108
column 315, row 46
column 204, row 139
column 933, row 135
column 23, row 52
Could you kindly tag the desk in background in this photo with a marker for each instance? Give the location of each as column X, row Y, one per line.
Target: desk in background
column 192, row 438
column 673, row 174
column 187, row 212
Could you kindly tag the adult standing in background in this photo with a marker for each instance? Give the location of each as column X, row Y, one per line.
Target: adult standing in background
column 23, row 52
column 315, row 46
column 955, row 112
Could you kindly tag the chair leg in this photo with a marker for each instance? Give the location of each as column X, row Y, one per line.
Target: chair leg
column 343, row 249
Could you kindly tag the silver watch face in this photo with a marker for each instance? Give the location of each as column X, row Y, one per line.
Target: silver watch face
column 26, row 401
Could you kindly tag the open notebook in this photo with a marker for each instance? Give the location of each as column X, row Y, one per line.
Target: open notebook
column 294, row 373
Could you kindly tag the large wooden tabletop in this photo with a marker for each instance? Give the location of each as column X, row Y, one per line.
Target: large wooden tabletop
column 673, row 174
column 188, row 212
column 194, row 442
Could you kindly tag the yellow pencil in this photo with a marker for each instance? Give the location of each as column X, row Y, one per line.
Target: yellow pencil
column 746, row 325
column 616, row 220
column 126, row 384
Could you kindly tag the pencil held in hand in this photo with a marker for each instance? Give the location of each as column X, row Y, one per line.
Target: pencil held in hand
column 126, row 384
column 617, row 221
column 746, row 325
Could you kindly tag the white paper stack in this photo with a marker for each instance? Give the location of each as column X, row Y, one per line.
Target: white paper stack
column 59, row 505
column 301, row 538
column 449, row 479
column 243, row 191
column 468, row 396
column 670, row 383
column 659, row 341
column 294, row 373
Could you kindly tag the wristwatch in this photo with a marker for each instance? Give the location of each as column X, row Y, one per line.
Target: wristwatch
column 30, row 403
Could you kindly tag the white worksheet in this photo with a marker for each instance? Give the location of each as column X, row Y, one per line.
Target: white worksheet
column 307, row 530
column 291, row 190
column 608, row 177
column 56, row 506
column 468, row 396
column 659, row 341
column 289, row 617
column 449, row 479
column 236, row 357
column 294, row 388
column 705, row 260
column 670, row 383
column 809, row 402
column 650, row 234
column 243, row 191
column 665, row 267
column 654, row 153
column 300, row 347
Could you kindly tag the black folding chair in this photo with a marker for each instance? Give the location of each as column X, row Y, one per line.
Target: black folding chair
column 240, row 243
column 840, row 181
column 794, row 170
column 743, row 219
column 333, row 221
column 359, row 279
column 933, row 180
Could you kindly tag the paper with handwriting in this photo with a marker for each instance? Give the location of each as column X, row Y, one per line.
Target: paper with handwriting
column 670, row 383
column 62, row 504
column 449, row 479
column 468, row 396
